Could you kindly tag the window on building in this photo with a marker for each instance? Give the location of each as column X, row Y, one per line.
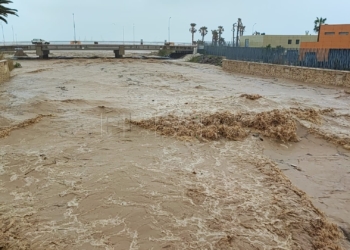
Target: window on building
column 343, row 33
column 289, row 41
column 297, row 41
column 329, row 33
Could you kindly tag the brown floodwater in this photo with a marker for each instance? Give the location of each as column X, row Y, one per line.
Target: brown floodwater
column 84, row 178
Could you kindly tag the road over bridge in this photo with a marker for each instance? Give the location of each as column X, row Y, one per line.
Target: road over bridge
column 43, row 51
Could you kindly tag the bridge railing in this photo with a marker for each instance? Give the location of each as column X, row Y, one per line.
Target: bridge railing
column 8, row 43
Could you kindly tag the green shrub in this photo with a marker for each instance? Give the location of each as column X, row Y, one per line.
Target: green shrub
column 196, row 59
column 207, row 59
column 164, row 52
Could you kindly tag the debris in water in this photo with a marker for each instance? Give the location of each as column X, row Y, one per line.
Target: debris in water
column 251, row 97
column 296, row 167
column 336, row 139
column 278, row 124
column 5, row 132
column 310, row 114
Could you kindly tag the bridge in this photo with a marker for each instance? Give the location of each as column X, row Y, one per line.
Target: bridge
column 43, row 50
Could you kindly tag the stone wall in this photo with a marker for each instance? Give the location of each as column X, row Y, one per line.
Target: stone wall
column 4, row 71
column 302, row 74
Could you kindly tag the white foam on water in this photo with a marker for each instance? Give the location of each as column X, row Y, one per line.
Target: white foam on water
column 73, row 203
column 134, row 244
column 30, row 180
column 2, row 169
column 13, row 177
column 109, row 222
column 22, row 196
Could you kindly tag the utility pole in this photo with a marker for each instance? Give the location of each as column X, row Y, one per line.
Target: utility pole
column 233, row 34
column 75, row 39
column 169, row 30
column 123, row 34
column 133, row 31
column 3, row 35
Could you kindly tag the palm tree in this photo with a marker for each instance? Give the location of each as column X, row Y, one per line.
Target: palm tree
column 193, row 30
column 204, row 31
column 4, row 11
column 318, row 22
column 239, row 25
column 242, row 30
column 215, row 37
column 220, row 31
column 222, row 41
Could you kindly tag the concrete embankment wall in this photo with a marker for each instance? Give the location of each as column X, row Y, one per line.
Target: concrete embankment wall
column 4, row 71
column 302, row 74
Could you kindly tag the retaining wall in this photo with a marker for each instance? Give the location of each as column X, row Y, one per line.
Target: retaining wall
column 302, row 74
column 4, row 71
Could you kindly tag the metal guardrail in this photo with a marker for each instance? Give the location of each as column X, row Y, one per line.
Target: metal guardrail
column 97, row 47
column 92, row 42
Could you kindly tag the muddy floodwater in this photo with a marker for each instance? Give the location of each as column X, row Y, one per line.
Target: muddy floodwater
column 78, row 170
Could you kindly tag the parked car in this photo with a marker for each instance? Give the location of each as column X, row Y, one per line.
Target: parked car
column 39, row 41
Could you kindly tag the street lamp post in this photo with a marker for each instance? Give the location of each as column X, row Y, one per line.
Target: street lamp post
column 75, row 40
column 116, row 26
column 13, row 35
column 253, row 29
column 169, row 29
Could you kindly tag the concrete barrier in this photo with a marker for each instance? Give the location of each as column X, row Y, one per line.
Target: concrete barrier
column 4, row 71
column 302, row 74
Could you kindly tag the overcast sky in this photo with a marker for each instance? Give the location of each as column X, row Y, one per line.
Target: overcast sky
column 104, row 20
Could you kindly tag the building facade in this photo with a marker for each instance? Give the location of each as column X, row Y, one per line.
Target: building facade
column 333, row 45
column 285, row 41
column 331, row 37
